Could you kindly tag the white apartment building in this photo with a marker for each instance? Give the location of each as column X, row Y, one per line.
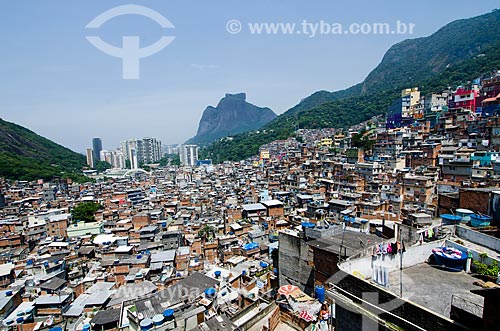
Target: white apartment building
column 188, row 155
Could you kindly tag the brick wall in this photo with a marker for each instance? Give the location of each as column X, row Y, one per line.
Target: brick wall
column 447, row 203
column 475, row 200
column 275, row 211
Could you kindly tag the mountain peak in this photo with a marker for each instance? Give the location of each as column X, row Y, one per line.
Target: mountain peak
column 232, row 115
column 237, row 96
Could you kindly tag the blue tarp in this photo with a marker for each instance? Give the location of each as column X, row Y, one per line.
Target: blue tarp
column 250, row 246
column 308, row 224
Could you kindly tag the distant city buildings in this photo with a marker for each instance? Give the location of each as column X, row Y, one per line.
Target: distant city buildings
column 97, row 148
column 172, row 149
column 188, row 155
column 377, row 226
column 133, row 159
column 115, row 158
column 141, row 151
column 96, row 153
column 151, row 150
column 90, row 157
column 136, row 151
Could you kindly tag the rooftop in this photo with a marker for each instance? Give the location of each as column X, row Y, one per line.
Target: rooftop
column 4, row 298
column 165, row 256
column 103, row 317
column 6, row 268
column 272, row 203
column 53, row 284
column 353, row 242
column 253, row 207
column 131, row 291
column 433, row 288
column 188, row 288
column 51, row 299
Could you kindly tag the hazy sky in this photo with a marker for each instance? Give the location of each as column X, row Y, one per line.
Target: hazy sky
column 56, row 83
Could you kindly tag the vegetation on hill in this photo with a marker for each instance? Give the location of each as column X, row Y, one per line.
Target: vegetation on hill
column 24, row 155
column 170, row 159
column 414, row 60
column 460, row 51
column 85, row 211
column 102, row 166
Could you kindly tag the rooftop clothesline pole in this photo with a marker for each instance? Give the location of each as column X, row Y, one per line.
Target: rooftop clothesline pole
column 400, row 263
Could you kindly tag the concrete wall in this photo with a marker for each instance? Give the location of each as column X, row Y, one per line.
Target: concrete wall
column 348, row 317
column 412, row 313
column 447, row 203
column 413, row 255
column 475, row 254
column 315, row 233
column 465, row 317
column 478, row 238
column 258, row 316
column 409, row 234
column 294, row 257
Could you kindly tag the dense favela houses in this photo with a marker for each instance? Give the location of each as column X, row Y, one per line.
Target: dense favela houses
column 389, row 224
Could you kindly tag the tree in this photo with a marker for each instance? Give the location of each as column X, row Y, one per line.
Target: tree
column 101, row 166
column 207, row 232
column 85, row 211
column 362, row 140
column 170, row 159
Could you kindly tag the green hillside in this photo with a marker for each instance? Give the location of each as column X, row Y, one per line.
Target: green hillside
column 25, row 155
column 446, row 58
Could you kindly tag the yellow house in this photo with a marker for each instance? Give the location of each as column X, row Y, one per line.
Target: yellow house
column 326, row 142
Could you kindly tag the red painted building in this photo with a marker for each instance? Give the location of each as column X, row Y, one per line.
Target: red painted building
column 464, row 98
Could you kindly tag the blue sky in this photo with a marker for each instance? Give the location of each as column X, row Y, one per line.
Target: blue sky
column 59, row 85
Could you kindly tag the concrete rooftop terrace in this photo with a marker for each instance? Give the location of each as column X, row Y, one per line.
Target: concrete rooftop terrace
column 433, row 288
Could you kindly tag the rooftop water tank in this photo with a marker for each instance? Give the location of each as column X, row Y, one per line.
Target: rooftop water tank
column 158, row 319
column 146, row 324
column 168, row 314
column 210, row 292
column 319, row 292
